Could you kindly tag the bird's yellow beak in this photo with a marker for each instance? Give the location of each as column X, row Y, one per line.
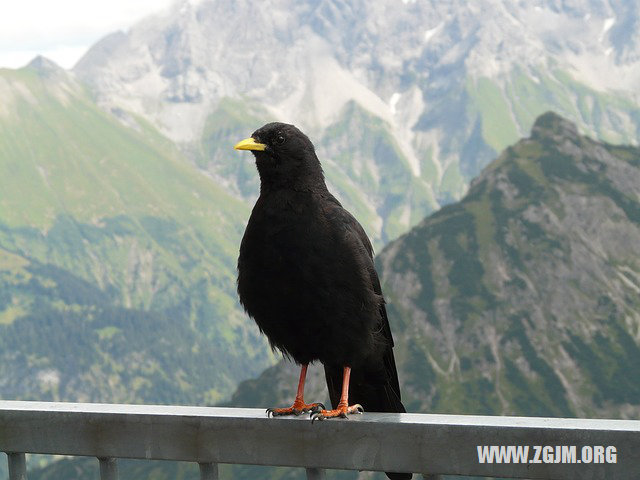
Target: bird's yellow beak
column 249, row 144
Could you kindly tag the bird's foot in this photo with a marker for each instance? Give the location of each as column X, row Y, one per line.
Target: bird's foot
column 340, row 411
column 298, row 408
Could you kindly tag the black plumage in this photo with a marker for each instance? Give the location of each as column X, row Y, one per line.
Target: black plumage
column 306, row 276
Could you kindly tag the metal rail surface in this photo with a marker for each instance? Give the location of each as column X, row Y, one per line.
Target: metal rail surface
column 557, row 448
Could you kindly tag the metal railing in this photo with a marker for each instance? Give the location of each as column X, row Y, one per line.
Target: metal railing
column 426, row 444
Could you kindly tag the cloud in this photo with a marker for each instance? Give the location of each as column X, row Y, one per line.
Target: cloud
column 64, row 29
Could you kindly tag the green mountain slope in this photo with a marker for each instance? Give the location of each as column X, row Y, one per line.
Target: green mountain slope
column 473, row 120
column 523, row 297
column 372, row 175
column 117, row 258
column 363, row 164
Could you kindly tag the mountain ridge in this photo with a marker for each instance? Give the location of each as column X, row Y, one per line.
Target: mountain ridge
column 532, row 278
column 457, row 84
column 104, row 228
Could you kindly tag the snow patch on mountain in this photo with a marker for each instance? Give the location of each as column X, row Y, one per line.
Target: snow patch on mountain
column 393, row 101
column 608, row 23
column 430, row 33
column 318, row 97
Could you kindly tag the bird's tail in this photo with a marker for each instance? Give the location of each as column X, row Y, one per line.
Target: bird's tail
column 373, row 385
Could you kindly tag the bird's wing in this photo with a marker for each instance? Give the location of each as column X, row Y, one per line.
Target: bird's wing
column 383, row 376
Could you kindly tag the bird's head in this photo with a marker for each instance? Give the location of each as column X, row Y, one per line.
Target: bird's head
column 285, row 157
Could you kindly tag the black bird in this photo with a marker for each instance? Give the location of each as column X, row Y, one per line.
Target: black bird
column 306, row 276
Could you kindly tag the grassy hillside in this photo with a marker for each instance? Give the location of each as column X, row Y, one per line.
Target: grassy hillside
column 522, row 298
column 117, row 258
column 470, row 122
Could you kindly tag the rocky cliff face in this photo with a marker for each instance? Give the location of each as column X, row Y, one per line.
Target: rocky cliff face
column 524, row 296
column 441, row 87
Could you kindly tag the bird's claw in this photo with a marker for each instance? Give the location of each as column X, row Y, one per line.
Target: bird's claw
column 277, row 412
column 294, row 410
column 341, row 412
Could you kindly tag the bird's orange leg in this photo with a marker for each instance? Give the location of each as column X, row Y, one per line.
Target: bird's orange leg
column 298, row 406
column 343, row 408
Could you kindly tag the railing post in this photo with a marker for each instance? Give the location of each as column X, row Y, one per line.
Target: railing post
column 315, row 474
column 208, row 471
column 108, row 469
column 17, row 466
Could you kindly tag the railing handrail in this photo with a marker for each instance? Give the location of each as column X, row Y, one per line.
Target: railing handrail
column 421, row 443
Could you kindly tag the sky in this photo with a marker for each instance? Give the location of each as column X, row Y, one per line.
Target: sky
column 63, row 30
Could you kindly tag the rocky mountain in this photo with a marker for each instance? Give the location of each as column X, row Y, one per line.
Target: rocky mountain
column 524, row 297
column 406, row 101
column 117, row 259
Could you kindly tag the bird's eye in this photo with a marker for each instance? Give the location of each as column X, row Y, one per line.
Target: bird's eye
column 279, row 139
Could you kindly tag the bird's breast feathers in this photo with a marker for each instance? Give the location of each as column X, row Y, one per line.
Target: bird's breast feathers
column 292, row 231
